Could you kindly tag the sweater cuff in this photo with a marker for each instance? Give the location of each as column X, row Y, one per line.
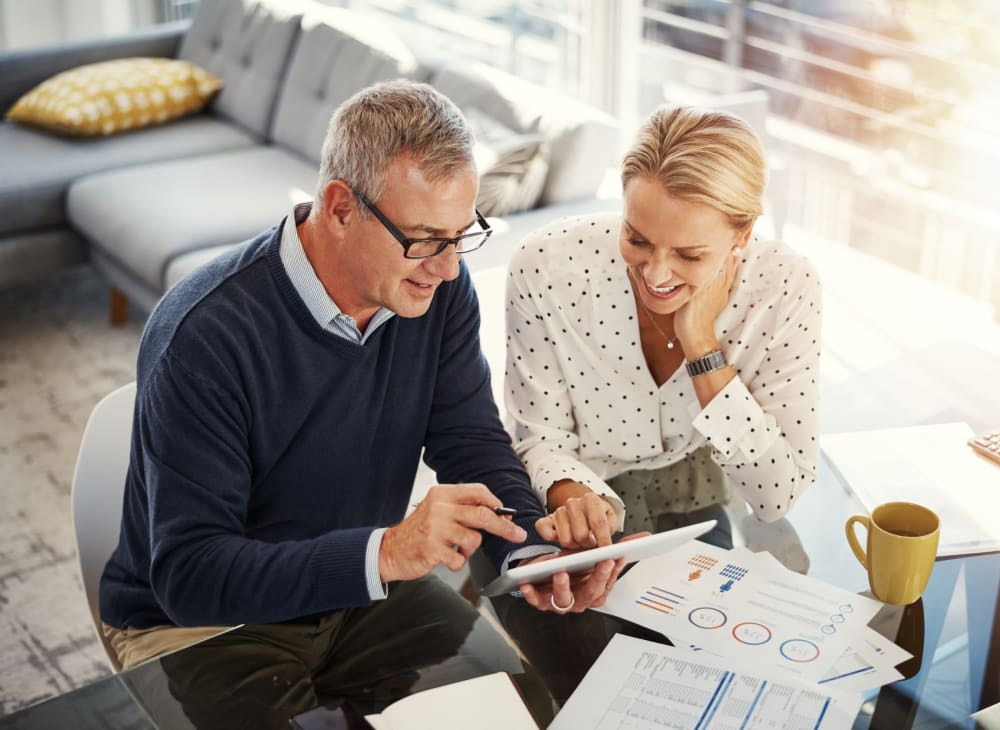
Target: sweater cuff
column 339, row 566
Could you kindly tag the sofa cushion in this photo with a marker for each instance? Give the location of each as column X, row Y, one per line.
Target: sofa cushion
column 514, row 182
column 33, row 187
column 246, row 43
column 143, row 217
column 100, row 99
column 185, row 263
column 583, row 141
column 338, row 53
column 512, row 166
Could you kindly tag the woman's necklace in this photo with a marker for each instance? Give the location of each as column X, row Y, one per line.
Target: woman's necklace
column 671, row 341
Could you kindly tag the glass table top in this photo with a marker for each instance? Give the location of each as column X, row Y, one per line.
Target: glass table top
column 951, row 632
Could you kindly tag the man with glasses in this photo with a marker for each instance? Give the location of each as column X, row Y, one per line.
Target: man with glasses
column 285, row 393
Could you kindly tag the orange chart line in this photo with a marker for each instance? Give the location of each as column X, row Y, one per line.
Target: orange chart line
column 656, row 606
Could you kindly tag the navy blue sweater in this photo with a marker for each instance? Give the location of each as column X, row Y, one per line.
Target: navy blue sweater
column 265, row 450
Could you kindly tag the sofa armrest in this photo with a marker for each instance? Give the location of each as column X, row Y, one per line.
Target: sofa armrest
column 22, row 70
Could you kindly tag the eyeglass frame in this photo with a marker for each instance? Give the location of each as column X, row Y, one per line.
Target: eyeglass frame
column 406, row 243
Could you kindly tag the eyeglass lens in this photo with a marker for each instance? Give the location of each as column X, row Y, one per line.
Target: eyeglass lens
column 434, row 246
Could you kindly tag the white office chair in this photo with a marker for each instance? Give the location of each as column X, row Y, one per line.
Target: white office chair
column 98, row 485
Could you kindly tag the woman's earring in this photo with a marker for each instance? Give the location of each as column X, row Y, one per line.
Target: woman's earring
column 737, row 252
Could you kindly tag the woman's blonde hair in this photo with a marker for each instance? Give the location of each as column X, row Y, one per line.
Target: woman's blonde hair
column 703, row 156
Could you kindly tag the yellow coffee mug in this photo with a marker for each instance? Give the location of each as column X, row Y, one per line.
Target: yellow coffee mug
column 901, row 547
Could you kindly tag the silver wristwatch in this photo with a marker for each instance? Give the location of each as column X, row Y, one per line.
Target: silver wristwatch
column 711, row 362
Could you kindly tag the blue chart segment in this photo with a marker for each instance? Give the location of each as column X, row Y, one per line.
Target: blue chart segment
column 837, row 618
column 799, row 650
column 707, row 617
column 659, row 599
column 733, row 571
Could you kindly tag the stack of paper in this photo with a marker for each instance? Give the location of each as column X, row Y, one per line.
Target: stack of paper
column 747, row 607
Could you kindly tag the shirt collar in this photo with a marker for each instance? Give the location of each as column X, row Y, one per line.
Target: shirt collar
column 308, row 286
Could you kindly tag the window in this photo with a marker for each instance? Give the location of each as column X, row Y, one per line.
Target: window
column 882, row 116
column 51, row 22
column 536, row 40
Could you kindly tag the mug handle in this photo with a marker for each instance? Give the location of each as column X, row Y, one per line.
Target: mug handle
column 852, row 538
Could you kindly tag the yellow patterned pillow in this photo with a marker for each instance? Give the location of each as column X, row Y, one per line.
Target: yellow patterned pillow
column 114, row 96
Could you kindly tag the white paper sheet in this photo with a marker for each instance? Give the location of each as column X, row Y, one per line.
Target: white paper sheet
column 857, row 672
column 930, row 465
column 744, row 606
column 489, row 702
column 642, row 685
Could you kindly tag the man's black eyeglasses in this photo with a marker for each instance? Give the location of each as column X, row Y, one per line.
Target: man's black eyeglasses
column 422, row 248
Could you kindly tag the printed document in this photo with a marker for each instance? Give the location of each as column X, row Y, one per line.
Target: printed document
column 639, row 684
column 743, row 605
column 747, row 607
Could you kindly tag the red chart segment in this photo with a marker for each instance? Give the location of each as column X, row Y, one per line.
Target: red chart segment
column 752, row 633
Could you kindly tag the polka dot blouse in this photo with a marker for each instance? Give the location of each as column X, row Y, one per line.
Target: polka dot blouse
column 585, row 406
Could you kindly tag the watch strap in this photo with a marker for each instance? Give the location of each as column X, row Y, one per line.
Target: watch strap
column 711, row 362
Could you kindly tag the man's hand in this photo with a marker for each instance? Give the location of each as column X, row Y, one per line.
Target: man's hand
column 444, row 529
column 579, row 517
column 576, row 593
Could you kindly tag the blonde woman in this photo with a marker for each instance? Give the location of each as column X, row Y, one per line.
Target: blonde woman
column 662, row 358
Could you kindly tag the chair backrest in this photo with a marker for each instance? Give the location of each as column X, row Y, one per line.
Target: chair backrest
column 98, row 486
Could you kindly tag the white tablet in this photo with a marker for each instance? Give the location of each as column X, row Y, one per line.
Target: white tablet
column 578, row 562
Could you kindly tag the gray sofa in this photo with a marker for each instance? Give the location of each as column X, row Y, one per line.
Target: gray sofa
column 149, row 206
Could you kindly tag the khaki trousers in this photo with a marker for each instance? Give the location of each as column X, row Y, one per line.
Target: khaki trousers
column 134, row 646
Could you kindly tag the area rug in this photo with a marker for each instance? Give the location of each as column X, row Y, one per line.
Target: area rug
column 58, row 357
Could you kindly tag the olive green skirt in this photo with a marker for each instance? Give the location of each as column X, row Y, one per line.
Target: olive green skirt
column 688, row 491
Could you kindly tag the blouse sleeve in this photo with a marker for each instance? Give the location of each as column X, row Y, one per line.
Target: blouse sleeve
column 763, row 425
column 537, row 399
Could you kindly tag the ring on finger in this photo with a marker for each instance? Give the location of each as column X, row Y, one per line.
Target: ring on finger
column 562, row 609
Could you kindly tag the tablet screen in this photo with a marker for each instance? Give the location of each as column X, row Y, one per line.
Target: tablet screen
column 583, row 560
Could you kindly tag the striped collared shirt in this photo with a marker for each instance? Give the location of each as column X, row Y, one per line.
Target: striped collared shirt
column 323, row 309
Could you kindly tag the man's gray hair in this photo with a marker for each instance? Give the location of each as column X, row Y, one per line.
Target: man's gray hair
column 379, row 123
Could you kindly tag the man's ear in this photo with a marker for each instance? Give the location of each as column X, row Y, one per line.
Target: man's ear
column 339, row 204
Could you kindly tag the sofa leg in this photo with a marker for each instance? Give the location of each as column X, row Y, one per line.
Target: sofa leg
column 118, row 312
